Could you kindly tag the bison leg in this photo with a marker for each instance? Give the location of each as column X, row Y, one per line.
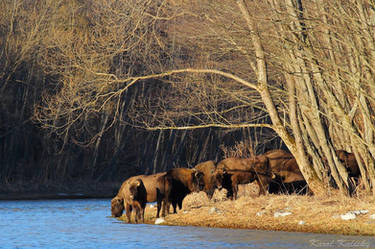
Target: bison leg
column 166, row 207
column 230, row 193
column 128, row 210
column 158, row 208
column 263, row 183
column 137, row 215
column 180, row 202
column 174, row 205
column 210, row 193
column 159, row 201
column 235, row 191
column 138, row 211
column 142, row 215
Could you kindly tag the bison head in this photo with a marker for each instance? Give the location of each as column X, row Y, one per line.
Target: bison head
column 260, row 164
column 117, row 206
column 219, row 178
column 197, row 180
column 349, row 161
column 133, row 189
column 342, row 155
column 208, row 169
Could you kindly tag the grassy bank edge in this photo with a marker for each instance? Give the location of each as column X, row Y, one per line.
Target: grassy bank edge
column 308, row 214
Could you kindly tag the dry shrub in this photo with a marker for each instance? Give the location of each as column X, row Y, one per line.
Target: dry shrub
column 195, row 200
column 219, row 195
column 240, row 149
column 248, row 190
column 244, row 190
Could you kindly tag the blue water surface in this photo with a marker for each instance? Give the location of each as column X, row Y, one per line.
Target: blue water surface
column 86, row 223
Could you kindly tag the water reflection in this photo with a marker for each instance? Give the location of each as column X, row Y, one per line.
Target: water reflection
column 86, row 224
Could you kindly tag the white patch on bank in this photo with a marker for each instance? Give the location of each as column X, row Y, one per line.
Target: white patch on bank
column 260, row 213
column 281, row 214
column 351, row 215
column 159, row 221
column 348, row 216
column 215, row 210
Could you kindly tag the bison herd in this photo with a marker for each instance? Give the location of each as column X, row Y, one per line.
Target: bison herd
column 273, row 171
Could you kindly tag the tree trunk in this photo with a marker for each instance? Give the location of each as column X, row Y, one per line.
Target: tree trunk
column 315, row 184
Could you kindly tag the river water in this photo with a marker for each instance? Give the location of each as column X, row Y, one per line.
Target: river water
column 87, row 223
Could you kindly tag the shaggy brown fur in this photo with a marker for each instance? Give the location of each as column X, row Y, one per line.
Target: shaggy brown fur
column 284, row 165
column 179, row 182
column 154, row 185
column 208, row 169
column 349, row 161
column 257, row 166
column 232, row 178
column 132, row 195
column 258, row 163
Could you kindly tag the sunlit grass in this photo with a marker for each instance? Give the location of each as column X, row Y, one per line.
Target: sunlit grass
column 318, row 215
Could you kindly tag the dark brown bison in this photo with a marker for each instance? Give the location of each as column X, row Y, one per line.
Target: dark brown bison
column 284, row 165
column 289, row 171
column 349, row 161
column 208, row 169
column 278, row 186
column 132, row 195
column 257, row 163
column 288, row 179
column 180, row 182
column 231, row 178
column 257, row 166
column 155, row 188
column 286, row 175
column 277, row 158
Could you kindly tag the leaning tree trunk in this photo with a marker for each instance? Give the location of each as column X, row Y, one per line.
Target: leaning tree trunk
column 315, row 184
column 307, row 95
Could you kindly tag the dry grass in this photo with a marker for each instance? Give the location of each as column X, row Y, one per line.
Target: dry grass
column 318, row 215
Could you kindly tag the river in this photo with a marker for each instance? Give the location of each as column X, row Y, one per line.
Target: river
column 86, row 223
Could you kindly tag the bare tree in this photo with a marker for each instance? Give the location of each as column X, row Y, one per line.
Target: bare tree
column 301, row 69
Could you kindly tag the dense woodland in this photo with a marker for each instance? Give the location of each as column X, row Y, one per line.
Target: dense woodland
column 100, row 90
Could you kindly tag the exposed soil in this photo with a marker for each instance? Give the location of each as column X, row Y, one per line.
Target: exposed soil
column 303, row 213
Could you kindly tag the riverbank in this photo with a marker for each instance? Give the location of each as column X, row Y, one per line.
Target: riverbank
column 293, row 213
